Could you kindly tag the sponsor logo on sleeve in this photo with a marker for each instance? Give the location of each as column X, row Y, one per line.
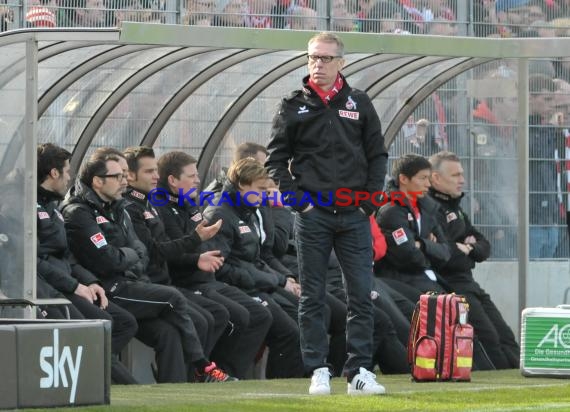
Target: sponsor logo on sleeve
column 451, row 217
column 98, row 240
column 101, row 219
column 138, row 195
column 43, row 215
column 244, row 229
column 147, row 215
column 399, row 236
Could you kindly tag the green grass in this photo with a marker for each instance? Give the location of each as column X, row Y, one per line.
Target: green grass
column 488, row 391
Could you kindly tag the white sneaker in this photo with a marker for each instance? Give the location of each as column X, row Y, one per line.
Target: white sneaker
column 364, row 383
column 320, row 382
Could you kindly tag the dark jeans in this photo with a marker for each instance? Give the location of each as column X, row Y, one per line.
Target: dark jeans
column 337, row 333
column 317, row 233
column 335, row 315
column 390, row 353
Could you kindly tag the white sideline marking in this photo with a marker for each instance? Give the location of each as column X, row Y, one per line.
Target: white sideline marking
column 268, row 395
column 457, row 389
column 486, row 388
column 541, row 407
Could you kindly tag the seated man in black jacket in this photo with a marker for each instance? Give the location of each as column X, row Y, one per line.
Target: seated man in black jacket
column 468, row 246
column 159, row 335
column 102, row 238
column 177, row 234
column 209, row 317
column 416, row 243
column 240, row 240
column 271, row 215
column 57, row 267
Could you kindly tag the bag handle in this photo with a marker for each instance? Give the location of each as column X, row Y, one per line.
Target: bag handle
column 414, row 330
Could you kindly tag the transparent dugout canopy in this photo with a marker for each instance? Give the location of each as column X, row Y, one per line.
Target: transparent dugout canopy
column 205, row 90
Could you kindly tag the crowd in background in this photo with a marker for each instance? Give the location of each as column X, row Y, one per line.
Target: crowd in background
column 445, row 120
column 481, row 18
column 440, row 121
column 485, row 128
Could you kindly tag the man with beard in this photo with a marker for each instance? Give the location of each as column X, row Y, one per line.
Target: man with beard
column 57, row 267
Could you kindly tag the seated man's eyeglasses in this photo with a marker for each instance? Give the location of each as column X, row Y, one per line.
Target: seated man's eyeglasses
column 118, row 176
column 325, row 59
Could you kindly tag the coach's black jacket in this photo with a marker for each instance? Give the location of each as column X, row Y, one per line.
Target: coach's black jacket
column 240, row 245
column 277, row 222
column 180, row 221
column 400, row 229
column 457, row 227
column 334, row 146
column 102, row 237
column 150, row 229
column 56, row 265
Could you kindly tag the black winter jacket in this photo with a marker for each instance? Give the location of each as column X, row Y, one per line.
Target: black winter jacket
column 334, row 146
column 102, row 237
column 273, row 239
column 56, row 265
column 180, row 221
column 457, row 227
column 400, row 229
column 150, row 229
column 240, row 245
column 278, row 224
column 283, row 221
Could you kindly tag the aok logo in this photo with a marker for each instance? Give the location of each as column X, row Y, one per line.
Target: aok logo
column 557, row 336
column 55, row 370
